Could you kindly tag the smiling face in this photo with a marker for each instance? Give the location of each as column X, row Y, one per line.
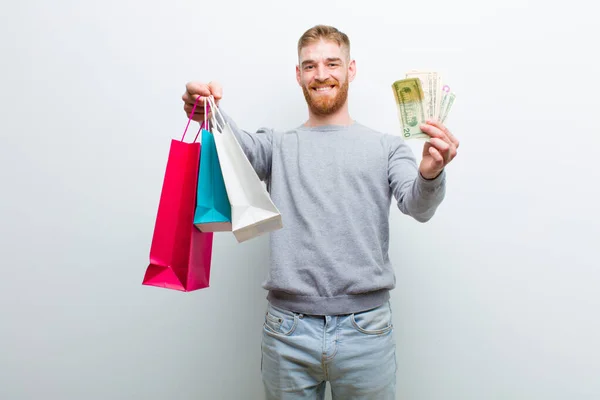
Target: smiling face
column 324, row 73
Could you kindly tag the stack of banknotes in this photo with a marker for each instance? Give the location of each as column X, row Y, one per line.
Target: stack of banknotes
column 421, row 96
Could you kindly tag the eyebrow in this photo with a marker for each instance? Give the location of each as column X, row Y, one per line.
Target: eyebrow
column 330, row 59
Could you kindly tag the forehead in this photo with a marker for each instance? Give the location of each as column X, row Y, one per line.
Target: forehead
column 321, row 50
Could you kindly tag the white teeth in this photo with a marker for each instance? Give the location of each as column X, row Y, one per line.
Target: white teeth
column 323, row 89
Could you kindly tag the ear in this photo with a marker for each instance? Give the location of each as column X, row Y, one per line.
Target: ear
column 351, row 70
column 298, row 75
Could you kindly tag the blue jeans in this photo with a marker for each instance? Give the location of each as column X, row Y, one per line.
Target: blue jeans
column 356, row 353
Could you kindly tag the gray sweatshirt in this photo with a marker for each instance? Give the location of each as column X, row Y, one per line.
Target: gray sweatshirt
column 333, row 186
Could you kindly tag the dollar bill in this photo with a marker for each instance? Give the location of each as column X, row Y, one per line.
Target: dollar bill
column 446, row 106
column 435, row 101
column 431, row 82
column 445, row 96
column 409, row 101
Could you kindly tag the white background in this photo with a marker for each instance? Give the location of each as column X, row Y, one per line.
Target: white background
column 497, row 296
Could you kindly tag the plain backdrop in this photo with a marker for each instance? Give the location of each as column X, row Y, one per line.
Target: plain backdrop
column 497, row 296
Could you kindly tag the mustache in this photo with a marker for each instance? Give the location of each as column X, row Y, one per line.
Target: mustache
column 329, row 82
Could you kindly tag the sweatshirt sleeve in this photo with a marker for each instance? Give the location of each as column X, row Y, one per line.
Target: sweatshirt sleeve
column 416, row 196
column 257, row 146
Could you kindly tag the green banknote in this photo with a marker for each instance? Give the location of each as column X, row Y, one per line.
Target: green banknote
column 446, row 106
column 421, row 96
column 409, row 101
column 431, row 82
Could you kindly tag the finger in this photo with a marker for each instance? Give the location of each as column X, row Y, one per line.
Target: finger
column 189, row 98
column 189, row 107
column 453, row 138
column 440, row 144
column 447, row 150
column 434, row 132
column 197, row 89
column 444, row 129
column 197, row 116
column 443, row 140
column 216, row 90
column 193, row 90
column 436, row 156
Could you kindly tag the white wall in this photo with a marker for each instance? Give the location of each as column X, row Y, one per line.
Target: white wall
column 497, row 296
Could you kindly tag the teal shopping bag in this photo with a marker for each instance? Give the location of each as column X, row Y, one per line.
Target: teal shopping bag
column 213, row 210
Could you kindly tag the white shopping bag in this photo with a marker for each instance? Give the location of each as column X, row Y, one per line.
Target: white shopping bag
column 252, row 210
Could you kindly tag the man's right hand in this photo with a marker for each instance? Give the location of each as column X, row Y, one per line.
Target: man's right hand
column 204, row 90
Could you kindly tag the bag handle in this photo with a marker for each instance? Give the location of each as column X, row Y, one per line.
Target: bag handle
column 205, row 122
column 214, row 105
column 190, row 119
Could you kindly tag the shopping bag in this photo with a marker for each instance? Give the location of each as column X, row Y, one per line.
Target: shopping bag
column 213, row 211
column 180, row 254
column 252, row 210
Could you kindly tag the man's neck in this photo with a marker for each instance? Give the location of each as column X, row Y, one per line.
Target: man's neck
column 341, row 117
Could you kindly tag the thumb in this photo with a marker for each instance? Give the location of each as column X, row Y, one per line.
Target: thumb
column 216, row 90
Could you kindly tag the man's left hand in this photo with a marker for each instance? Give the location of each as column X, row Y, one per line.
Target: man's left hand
column 438, row 151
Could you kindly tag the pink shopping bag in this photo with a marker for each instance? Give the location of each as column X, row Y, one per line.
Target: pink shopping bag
column 180, row 254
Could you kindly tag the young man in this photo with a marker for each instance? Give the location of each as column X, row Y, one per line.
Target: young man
column 328, row 316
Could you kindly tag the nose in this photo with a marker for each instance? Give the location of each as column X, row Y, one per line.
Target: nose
column 322, row 73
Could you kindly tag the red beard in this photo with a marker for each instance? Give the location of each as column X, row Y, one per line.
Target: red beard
column 323, row 104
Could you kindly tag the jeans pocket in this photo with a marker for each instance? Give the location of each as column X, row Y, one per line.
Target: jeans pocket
column 280, row 321
column 376, row 321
